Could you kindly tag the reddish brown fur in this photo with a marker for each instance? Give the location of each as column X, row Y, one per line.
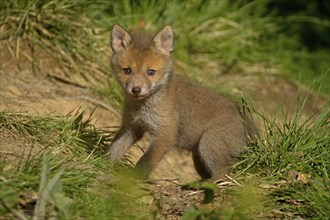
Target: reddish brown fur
column 172, row 110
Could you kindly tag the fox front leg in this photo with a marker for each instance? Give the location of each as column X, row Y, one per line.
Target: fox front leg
column 124, row 139
column 157, row 149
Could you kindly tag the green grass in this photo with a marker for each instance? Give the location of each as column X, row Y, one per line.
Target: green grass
column 286, row 173
column 245, row 37
column 69, row 165
column 292, row 158
column 60, row 28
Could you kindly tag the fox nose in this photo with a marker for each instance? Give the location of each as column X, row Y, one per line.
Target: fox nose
column 136, row 90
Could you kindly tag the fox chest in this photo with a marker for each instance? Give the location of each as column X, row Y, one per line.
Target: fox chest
column 148, row 120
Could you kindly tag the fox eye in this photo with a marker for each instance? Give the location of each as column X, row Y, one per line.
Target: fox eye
column 151, row 72
column 127, row 70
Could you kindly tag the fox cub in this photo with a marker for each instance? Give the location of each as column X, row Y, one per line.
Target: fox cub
column 172, row 110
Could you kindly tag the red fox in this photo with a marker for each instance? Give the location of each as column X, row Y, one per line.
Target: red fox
column 172, row 110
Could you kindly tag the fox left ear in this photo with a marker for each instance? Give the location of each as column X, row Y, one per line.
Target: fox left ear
column 120, row 38
column 164, row 40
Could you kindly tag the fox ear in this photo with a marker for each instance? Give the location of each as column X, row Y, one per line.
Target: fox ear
column 164, row 40
column 119, row 38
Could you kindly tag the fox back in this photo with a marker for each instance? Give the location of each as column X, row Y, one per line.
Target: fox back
column 175, row 112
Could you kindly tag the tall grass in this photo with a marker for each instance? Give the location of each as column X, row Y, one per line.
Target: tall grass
column 71, row 178
column 291, row 158
column 242, row 36
column 62, row 29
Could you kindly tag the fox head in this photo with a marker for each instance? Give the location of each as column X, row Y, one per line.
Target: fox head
column 142, row 64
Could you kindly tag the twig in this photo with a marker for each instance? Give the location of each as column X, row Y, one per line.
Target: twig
column 195, row 192
column 165, row 180
column 66, row 81
column 98, row 103
column 235, row 181
column 86, row 98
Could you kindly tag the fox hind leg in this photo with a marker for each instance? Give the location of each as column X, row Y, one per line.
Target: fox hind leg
column 216, row 153
column 199, row 166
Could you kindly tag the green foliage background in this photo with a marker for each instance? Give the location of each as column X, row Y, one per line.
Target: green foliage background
column 280, row 37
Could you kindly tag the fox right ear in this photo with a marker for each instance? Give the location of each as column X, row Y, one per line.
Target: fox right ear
column 120, row 38
column 164, row 40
